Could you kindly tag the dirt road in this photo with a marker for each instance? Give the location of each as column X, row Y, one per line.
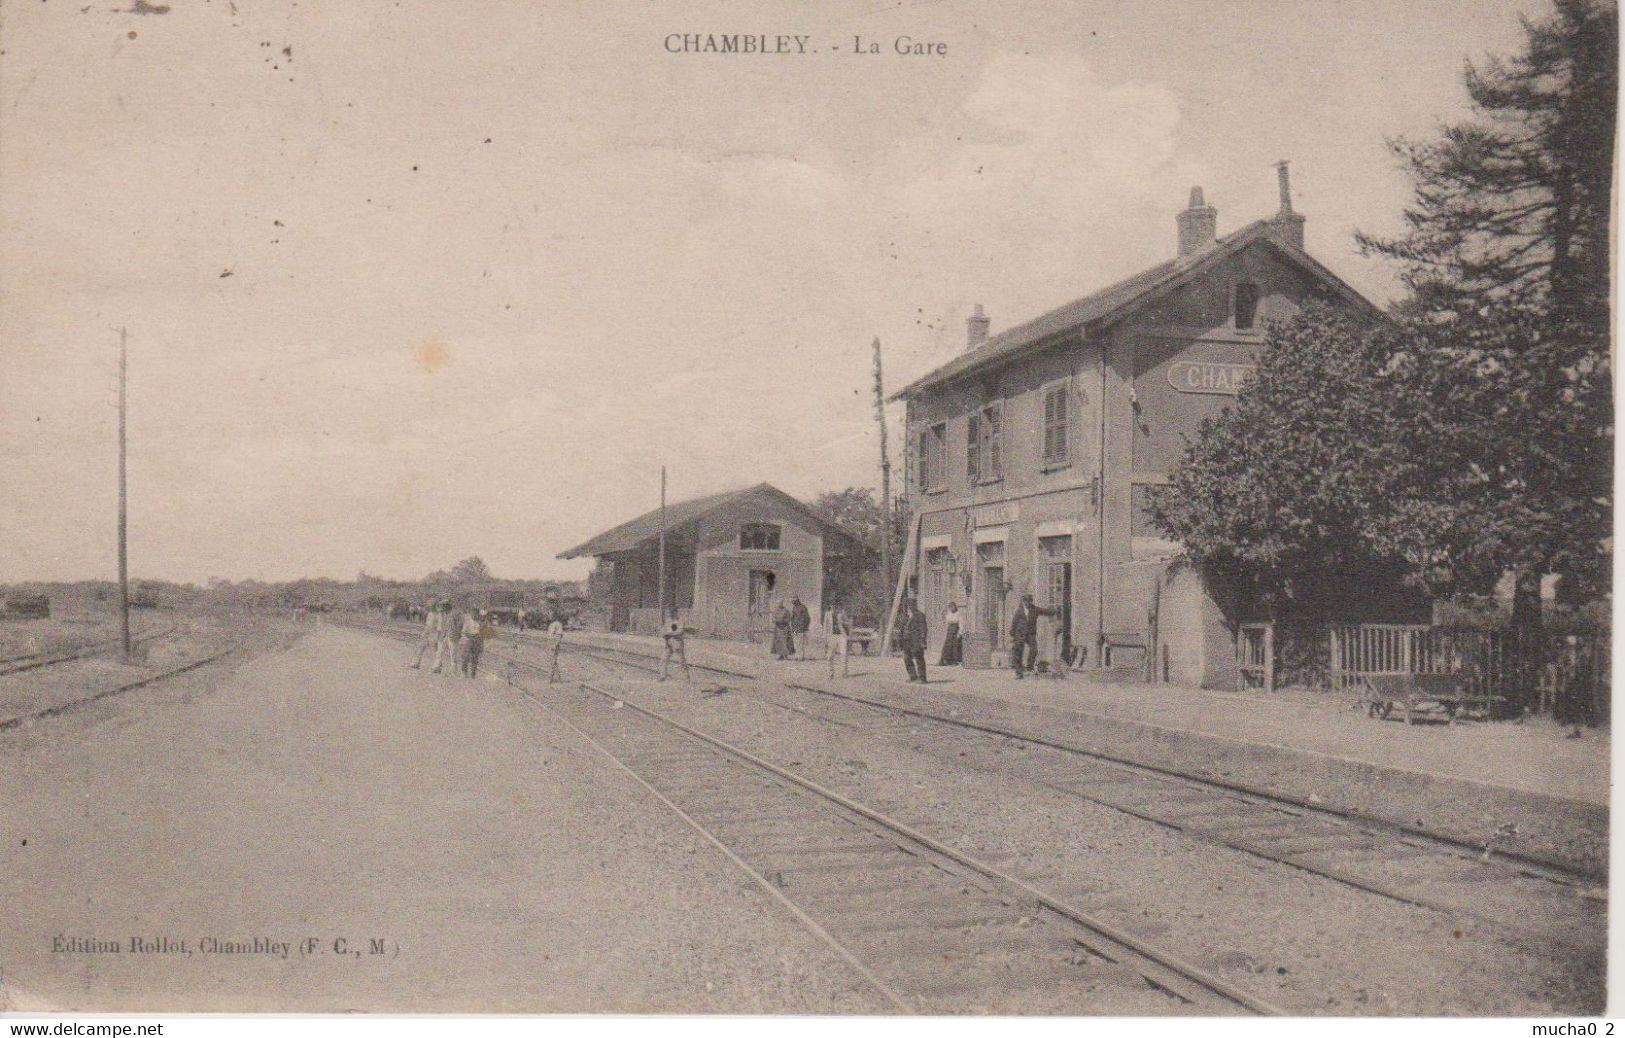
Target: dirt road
column 208, row 845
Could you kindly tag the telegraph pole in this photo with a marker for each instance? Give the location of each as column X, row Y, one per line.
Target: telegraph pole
column 123, row 549
column 885, row 475
column 660, row 585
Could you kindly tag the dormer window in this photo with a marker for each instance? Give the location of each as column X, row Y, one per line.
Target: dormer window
column 1246, row 307
column 759, row 537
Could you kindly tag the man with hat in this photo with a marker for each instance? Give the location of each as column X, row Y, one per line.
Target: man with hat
column 911, row 639
column 1024, row 635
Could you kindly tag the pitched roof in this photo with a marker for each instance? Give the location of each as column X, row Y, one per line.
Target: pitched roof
column 631, row 534
column 1119, row 299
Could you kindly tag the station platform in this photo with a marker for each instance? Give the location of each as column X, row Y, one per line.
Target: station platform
column 1527, row 785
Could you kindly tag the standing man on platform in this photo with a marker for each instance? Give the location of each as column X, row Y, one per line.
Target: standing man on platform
column 911, row 638
column 837, row 642
column 800, row 625
column 1024, row 635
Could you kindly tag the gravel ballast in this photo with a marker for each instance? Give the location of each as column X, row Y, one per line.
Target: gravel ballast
column 1305, row 942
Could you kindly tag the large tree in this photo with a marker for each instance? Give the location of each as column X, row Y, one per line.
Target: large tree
column 1509, row 413
column 1407, row 448
column 1308, row 488
column 1506, row 253
column 1512, row 205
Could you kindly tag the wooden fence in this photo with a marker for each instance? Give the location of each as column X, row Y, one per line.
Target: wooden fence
column 1565, row 674
column 1482, row 660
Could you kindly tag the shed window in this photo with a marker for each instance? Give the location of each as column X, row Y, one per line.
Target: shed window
column 759, row 537
column 1056, row 445
column 1246, row 305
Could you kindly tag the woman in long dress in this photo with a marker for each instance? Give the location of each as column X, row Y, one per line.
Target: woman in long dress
column 782, row 645
column 952, row 648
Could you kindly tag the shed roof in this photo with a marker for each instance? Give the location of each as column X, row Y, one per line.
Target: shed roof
column 1119, row 299
column 634, row 533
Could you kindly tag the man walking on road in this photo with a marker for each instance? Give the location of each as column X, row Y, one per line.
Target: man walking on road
column 800, row 625
column 445, row 650
column 555, row 637
column 473, row 641
column 1024, row 635
column 433, row 624
column 911, row 638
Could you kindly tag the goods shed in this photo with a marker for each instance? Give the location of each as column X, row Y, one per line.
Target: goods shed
column 729, row 559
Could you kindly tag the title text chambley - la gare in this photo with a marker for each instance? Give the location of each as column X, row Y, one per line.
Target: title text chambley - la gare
column 793, row 45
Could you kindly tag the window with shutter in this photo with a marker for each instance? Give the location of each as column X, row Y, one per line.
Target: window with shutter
column 992, row 453
column 1056, row 416
column 934, row 457
column 973, row 449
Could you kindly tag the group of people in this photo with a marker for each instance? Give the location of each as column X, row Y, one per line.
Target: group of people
column 913, row 636
column 792, row 634
column 791, row 624
column 459, row 637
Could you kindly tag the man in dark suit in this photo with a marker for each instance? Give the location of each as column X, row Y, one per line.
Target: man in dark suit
column 911, row 638
column 1024, row 635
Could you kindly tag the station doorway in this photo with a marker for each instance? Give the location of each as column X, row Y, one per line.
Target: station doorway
column 990, row 588
column 1055, row 554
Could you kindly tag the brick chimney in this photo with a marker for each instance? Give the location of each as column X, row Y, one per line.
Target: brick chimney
column 1286, row 226
column 1198, row 225
column 976, row 326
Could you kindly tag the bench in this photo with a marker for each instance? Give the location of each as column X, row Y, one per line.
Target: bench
column 862, row 638
column 1382, row 692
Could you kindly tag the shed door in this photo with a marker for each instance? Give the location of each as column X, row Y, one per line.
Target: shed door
column 760, row 604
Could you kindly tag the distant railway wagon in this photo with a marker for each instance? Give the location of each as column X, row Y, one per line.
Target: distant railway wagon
column 26, row 607
column 502, row 616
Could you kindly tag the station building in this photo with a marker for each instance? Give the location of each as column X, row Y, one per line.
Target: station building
column 729, row 559
column 1032, row 453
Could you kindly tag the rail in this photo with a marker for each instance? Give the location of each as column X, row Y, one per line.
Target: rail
column 151, row 679
column 1263, row 825
column 1159, row 968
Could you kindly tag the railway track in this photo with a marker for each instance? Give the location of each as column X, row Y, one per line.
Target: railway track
column 1519, row 895
column 38, row 660
column 928, row 927
column 152, row 679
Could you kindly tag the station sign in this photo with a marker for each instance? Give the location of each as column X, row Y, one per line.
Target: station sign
column 1001, row 514
column 1189, row 376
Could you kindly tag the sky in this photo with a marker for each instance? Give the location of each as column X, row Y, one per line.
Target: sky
column 406, row 282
